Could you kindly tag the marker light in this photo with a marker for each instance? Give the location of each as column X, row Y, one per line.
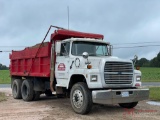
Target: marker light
column 138, row 68
column 137, row 84
column 89, row 66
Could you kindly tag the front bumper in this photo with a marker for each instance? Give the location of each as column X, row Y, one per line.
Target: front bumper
column 115, row 96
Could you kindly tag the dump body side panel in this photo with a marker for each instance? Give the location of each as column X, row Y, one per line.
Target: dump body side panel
column 21, row 61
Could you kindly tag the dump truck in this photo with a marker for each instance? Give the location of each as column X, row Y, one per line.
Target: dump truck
column 77, row 65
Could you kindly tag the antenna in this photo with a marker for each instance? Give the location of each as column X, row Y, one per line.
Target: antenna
column 68, row 16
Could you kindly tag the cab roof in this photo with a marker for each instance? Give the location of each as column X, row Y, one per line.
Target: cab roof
column 86, row 40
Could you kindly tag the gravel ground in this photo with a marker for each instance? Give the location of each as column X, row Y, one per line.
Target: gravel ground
column 52, row 108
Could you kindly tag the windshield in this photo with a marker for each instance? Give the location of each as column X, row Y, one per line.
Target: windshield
column 92, row 48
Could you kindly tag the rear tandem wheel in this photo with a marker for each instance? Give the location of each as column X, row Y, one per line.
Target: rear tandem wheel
column 27, row 90
column 16, row 88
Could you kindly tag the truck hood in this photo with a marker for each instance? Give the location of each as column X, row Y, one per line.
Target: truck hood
column 96, row 62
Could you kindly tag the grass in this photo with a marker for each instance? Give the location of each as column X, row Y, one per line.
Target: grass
column 150, row 74
column 154, row 93
column 4, row 77
column 2, row 97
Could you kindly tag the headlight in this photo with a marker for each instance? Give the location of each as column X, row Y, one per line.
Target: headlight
column 138, row 78
column 94, row 78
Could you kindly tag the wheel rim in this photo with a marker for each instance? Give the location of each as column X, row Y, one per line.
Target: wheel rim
column 77, row 98
column 15, row 89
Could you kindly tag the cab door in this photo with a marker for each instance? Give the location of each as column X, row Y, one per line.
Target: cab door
column 63, row 61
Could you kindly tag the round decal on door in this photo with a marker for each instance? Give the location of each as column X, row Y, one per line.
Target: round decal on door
column 77, row 62
column 61, row 67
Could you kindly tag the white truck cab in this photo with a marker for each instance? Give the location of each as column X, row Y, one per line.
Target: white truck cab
column 87, row 68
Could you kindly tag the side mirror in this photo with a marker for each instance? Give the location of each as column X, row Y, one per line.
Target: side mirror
column 85, row 55
column 135, row 59
column 58, row 47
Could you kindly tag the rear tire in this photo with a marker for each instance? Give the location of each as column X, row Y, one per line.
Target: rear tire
column 16, row 88
column 80, row 98
column 128, row 105
column 27, row 90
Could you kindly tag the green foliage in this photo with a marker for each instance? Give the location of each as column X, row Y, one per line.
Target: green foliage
column 154, row 93
column 5, row 77
column 155, row 62
column 150, row 74
column 143, row 62
column 3, row 67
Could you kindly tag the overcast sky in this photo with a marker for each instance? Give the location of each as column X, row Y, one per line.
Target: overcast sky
column 25, row 23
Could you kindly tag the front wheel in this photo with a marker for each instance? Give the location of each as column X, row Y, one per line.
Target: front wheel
column 128, row 105
column 81, row 99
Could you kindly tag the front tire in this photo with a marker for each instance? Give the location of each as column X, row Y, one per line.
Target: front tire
column 27, row 90
column 128, row 105
column 80, row 98
column 16, row 88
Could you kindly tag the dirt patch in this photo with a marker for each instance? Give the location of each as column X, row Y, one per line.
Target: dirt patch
column 60, row 109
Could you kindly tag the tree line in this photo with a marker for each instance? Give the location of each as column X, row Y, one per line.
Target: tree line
column 143, row 62
column 3, row 67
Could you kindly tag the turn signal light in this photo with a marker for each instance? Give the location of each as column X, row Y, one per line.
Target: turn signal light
column 138, row 68
column 89, row 66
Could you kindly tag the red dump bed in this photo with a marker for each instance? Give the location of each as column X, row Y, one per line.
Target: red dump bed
column 24, row 63
column 21, row 61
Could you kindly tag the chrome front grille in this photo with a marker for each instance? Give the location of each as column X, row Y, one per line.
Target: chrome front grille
column 118, row 73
